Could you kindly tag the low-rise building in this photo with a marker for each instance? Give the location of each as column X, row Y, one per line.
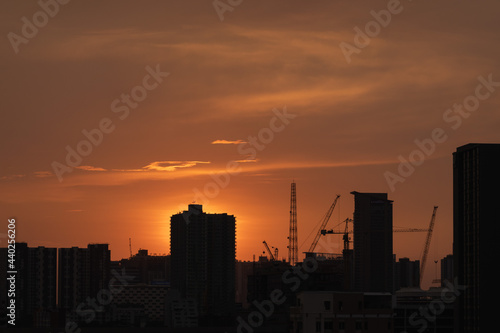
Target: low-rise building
column 345, row 312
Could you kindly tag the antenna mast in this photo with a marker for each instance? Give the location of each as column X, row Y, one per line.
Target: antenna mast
column 292, row 246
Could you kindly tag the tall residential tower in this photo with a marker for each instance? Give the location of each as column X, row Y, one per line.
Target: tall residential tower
column 203, row 256
column 476, row 182
column 373, row 255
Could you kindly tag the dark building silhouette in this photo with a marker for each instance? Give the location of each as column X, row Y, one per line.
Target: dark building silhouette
column 446, row 270
column 83, row 272
column 267, row 276
column 339, row 311
column 99, row 258
column 421, row 311
column 73, row 272
column 203, row 256
column 35, row 282
column 406, row 273
column 146, row 268
column 476, row 181
column 373, row 254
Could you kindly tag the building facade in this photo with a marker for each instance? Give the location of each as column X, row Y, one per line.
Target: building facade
column 203, row 256
column 35, row 281
column 406, row 273
column 476, row 181
column 83, row 272
column 331, row 311
column 418, row 311
column 373, row 252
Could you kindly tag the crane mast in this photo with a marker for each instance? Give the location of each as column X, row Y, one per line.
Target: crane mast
column 427, row 243
column 269, row 251
column 323, row 224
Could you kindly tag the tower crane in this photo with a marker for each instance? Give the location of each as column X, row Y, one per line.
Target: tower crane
column 269, row 251
column 427, row 243
column 323, row 224
column 346, row 233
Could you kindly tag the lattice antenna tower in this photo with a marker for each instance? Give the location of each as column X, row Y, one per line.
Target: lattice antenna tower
column 292, row 238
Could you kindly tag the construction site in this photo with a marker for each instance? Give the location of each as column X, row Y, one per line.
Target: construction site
column 365, row 269
column 364, row 228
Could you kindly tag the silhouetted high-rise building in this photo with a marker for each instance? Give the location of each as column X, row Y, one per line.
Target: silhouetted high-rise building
column 373, row 254
column 446, row 270
column 99, row 259
column 42, row 278
column 203, row 255
column 35, row 280
column 73, row 273
column 406, row 273
column 476, row 182
column 83, row 272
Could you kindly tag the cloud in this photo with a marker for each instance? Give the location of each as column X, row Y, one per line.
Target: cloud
column 171, row 165
column 10, row 177
column 248, row 160
column 90, row 168
column 164, row 166
column 228, row 142
column 42, row 174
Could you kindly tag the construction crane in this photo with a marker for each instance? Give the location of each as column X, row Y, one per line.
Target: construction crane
column 323, row 224
column 427, row 244
column 269, row 251
column 324, row 232
column 293, row 250
column 346, row 233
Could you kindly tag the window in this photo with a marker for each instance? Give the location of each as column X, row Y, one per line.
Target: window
column 318, row 326
column 327, row 305
column 328, row 324
column 341, row 325
column 341, row 306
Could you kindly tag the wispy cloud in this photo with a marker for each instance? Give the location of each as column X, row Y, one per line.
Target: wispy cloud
column 43, row 174
column 171, row 165
column 248, row 160
column 164, row 166
column 228, row 142
column 10, row 177
column 90, row 168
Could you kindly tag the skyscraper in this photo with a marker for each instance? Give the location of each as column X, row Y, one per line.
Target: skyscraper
column 203, row 255
column 476, row 181
column 373, row 254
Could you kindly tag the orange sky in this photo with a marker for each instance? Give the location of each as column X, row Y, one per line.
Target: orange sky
column 350, row 123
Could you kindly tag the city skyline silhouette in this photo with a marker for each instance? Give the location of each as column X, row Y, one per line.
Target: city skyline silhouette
column 117, row 116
